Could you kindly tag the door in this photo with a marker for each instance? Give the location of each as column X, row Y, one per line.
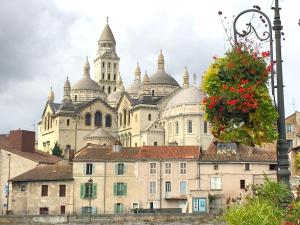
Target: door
column 182, row 205
column 62, row 209
column 199, row 204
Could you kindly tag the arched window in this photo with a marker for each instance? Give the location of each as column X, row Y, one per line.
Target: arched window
column 45, row 123
column 125, row 114
column 109, row 65
column 155, row 143
column 103, row 64
column 68, row 122
column 108, row 76
column 128, row 117
column 152, row 92
column 177, row 127
column 205, row 127
column 115, row 89
column 190, row 126
column 108, row 120
column 115, row 76
column 103, row 88
column 103, row 76
column 149, row 117
column 120, row 119
column 98, row 119
column 108, row 90
column 88, row 119
column 75, row 98
column 48, row 122
column 115, row 65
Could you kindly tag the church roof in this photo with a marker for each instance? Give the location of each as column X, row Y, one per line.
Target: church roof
column 187, row 96
column 107, row 34
column 86, row 83
column 99, row 133
column 161, row 77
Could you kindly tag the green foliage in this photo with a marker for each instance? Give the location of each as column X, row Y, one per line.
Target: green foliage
column 268, row 204
column 56, row 150
column 238, row 105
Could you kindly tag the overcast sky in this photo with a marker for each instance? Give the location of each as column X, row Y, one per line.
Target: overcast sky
column 43, row 42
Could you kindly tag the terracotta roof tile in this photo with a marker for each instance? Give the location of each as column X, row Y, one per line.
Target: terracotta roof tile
column 105, row 153
column 62, row 170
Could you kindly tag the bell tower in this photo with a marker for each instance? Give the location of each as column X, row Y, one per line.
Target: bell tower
column 107, row 61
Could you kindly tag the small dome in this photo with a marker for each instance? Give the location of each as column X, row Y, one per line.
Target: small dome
column 161, row 77
column 187, row 96
column 107, row 34
column 134, row 88
column 67, row 83
column 86, row 83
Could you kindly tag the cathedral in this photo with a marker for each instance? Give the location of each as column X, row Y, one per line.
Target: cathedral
column 153, row 110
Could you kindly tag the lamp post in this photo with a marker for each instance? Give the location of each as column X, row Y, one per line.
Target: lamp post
column 283, row 172
column 90, row 185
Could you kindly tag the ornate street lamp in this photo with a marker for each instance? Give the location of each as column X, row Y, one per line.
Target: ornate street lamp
column 283, row 172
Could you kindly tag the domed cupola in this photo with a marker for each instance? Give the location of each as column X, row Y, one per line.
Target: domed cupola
column 161, row 77
column 134, row 89
column 86, row 89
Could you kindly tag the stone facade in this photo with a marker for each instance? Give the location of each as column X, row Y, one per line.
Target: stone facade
column 292, row 124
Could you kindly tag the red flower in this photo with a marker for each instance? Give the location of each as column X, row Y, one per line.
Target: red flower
column 232, row 89
column 265, row 54
column 244, row 81
column 232, row 102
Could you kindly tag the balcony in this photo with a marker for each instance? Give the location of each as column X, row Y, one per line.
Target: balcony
column 171, row 196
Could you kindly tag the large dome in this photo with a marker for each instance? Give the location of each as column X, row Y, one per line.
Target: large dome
column 187, row 96
column 86, row 83
column 161, row 77
column 134, row 88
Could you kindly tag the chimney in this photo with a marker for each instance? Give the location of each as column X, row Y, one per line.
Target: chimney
column 68, row 153
column 22, row 140
column 117, row 146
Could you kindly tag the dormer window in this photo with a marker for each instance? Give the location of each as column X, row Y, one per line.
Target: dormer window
column 226, row 148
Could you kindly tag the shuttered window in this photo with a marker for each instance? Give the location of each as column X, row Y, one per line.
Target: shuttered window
column 120, row 189
column 88, row 190
column 215, row 183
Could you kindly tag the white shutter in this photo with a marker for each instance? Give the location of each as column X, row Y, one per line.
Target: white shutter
column 212, row 183
column 219, row 183
column 93, row 168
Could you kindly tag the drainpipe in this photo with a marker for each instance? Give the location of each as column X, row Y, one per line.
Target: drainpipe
column 104, row 188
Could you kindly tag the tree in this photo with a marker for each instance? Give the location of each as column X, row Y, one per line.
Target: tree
column 56, row 150
column 297, row 162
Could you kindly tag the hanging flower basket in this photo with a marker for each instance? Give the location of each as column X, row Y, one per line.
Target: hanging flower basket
column 238, row 105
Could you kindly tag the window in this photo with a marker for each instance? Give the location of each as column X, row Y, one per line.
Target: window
column 120, row 169
column 290, row 143
column 215, row 183
column 289, row 127
column 177, row 127
column 44, row 211
column 88, row 193
column 62, row 190
column 216, row 166
column 135, row 144
column 149, row 117
column 68, row 122
column 108, row 76
column 103, row 88
column 247, row 166
column 242, row 184
column 168, row 187
column 88, row 190
column 152, row 187
column 115, row 89
column 23, row 187
column 63, row 209
column 109, row 90
column 155, row 143
column 103, row 64
column 109, row 65
column 168, row 168
column 153, row 92
column 120, row 119
column 120, row 189
column 125, row 114
column 190, row 127
column 88, row 119
column 205, row 127
column 44, row 190
column 183, row 187
column 103, row 76
column 108, row 120
column 119, row 207
column 273, row 166
column 89, row 169
column 75, row 98
column 98, row 119
column 182, row 168
column 115, row 76
column 152, row 170
column 128, row 118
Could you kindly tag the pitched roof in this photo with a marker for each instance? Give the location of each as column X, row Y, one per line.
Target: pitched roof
column 37, row 156
column 61, row 171
column 98, row 153
column 243, row 154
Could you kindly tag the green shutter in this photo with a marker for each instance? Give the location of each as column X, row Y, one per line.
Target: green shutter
column 115, row 189
column 124, row 189
column 93, row 168
column 82, row 190
column 94, row 194
column 116, row 168
column 115, row 207
column 121, row 207
column 125, row 168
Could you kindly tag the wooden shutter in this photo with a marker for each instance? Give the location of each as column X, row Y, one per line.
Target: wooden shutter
column 82, row 190
column 84, row 169
column 125, row 189
column 94, row 194
column 115, row 189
